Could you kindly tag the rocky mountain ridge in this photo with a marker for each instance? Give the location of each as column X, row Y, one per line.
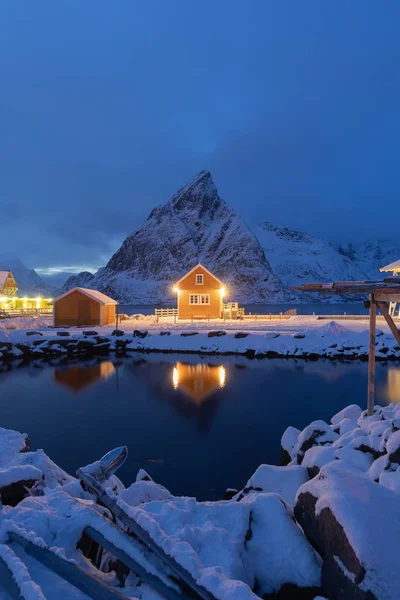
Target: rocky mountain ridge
column 258, row 263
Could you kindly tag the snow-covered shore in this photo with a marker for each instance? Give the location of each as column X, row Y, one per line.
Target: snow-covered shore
column 298, row 336
column 324, row 523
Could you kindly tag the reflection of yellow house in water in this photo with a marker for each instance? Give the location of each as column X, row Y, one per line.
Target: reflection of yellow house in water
column 198, row 381
column 79, row 377
column 393, row 385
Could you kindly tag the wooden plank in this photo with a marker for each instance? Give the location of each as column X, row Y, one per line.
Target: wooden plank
column 371, row 357
column 171, row 593
column 179, row 572
column 87, row 583
column 384, row 310
column 7, row 581
column 387, row 297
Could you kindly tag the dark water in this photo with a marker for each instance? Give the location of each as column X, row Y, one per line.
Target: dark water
column 196, row 425
column 353, row 308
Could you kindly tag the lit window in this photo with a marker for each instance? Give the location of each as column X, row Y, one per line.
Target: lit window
column 199, row 279
column 199, row 298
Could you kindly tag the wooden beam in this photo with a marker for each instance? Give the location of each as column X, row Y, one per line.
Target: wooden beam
column 166, row 591
column 385, row 312
column 371, row 357
column 8, row 582
column 87, row 583
column 182, row 577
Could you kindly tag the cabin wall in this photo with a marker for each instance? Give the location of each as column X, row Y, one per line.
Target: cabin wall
column 76, row 309
column 108, row 314
column 189, row 286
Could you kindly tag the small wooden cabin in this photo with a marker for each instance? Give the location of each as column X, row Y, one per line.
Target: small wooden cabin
column 200, row 295
column 8, row 285
column 81, row 306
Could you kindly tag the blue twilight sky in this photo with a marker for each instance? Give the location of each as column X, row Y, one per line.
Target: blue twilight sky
column 107, row 107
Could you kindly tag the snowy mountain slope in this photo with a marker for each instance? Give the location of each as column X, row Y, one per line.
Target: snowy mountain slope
column 297, row 258
column 29, row 282
column 370, row 256
column 82, row 279
column 258, row 263
column 196, row 225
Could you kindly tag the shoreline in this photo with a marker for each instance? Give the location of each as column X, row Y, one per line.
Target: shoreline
column 301, row 337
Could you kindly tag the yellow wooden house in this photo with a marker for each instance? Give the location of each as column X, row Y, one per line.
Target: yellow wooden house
column 8, row 285
column 199, row 294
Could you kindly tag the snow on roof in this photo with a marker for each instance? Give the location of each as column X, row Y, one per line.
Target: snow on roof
column 3, row 277
column 196, row 267
column 394, row 266
column 94, row 294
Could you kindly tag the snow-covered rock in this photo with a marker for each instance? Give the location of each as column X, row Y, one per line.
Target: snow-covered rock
column 284, row 481
column 318, row 433
column 356, row 525
column 288, row 444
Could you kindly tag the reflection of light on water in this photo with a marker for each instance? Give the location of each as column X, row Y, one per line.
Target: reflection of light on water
column 175, row 378
column 393, row 385
column 222, row 376
column 106, row 369
column 198, row 381
column 78, row 377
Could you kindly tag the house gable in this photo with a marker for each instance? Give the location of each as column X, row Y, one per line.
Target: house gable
column 190, row 281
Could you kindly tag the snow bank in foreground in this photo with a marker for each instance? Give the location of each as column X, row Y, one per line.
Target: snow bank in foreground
column 343, row 481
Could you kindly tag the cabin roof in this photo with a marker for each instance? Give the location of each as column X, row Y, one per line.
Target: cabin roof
column 196, row 267
column 391, row 267
column 93, row 294
column 4, row 276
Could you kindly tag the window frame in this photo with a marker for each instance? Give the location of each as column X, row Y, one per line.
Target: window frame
column 202, row 299
column 201, row 276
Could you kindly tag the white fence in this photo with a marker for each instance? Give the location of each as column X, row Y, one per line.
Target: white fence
column 166, row 313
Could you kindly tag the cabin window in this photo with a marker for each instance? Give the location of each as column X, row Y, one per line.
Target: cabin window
column 199, row 279
column 199, row 298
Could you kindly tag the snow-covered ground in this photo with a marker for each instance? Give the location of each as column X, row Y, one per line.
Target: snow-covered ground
column 299, row 336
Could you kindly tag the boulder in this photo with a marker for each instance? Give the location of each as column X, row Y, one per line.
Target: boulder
column 318, row 433
column 189, row 333
column 118, row 333
column 165, row 333
column 212, row 334
column 393, row 447
column 89, row 332
column 288, row 443
column 229, row 494
column 240, row 335
column 299, row 336
column 63, row 333
column 353, row 411
column 284, row 481
column 29, row 333
column 140, row 334
column 316, row 457
column 355, row 525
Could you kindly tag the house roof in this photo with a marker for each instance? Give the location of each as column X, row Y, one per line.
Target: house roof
column 394, row 266
column 196, row 267
column 4, row 276
column 93, row 294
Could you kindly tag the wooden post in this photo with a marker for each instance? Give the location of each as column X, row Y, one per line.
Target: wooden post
column 371, row 356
